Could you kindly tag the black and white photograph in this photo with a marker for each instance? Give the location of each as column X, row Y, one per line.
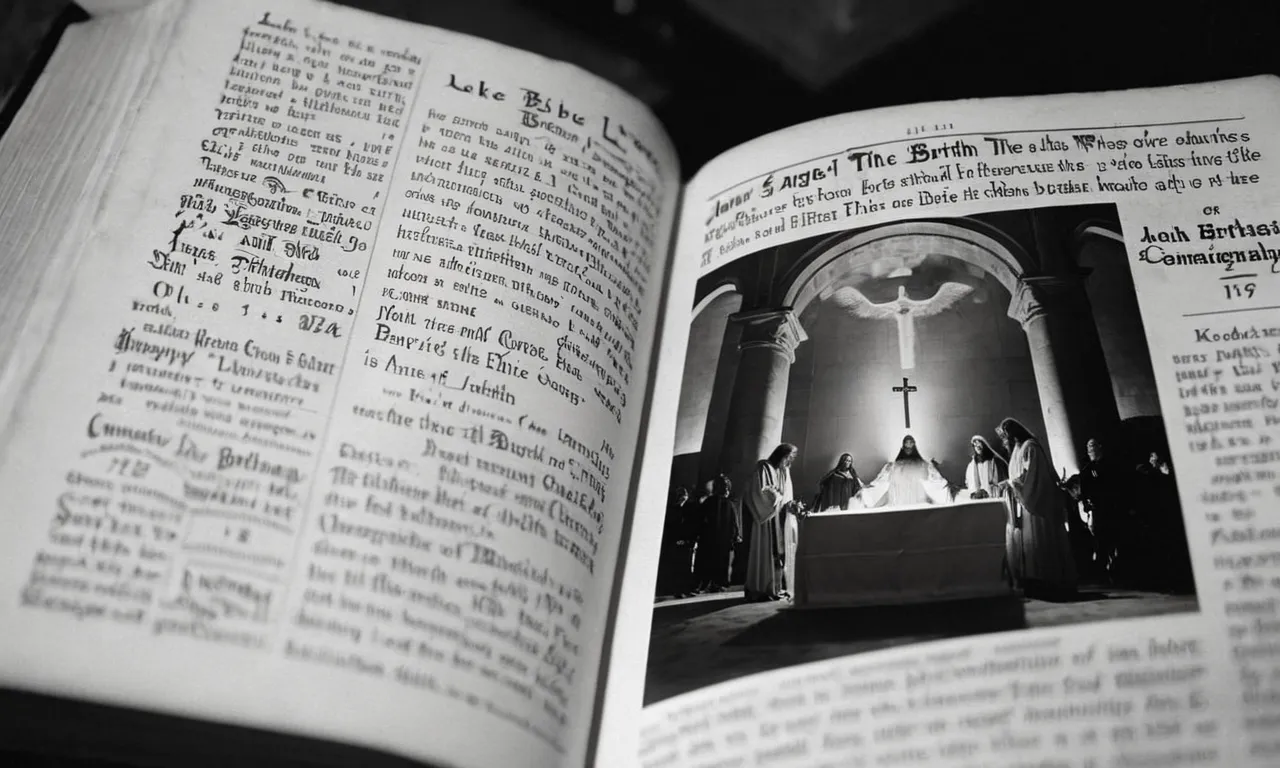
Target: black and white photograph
column 913, row 431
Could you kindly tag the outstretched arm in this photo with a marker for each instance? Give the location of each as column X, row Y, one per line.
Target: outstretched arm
column 935, row 475
column 883, row 476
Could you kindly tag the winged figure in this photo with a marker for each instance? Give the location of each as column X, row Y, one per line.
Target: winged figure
column 902, row 309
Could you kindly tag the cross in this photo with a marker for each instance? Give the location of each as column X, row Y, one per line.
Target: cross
column 906, row 389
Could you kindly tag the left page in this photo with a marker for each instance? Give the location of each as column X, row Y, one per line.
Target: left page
column 335, row 430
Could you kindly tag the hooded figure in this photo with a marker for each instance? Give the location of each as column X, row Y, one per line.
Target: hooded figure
column 1048, row 566
column 839, row 486
column 908, row 479
column 986, row 469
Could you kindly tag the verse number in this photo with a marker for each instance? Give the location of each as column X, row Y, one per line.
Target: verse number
column 239, row 535
column 1240, row 290
column 129, row 468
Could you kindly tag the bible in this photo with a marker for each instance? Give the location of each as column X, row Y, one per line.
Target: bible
column 378, row 394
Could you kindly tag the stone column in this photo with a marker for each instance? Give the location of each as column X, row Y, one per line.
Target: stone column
column 1119, row 322
column 1076, row 397
column 759, row 400
column 710, row 462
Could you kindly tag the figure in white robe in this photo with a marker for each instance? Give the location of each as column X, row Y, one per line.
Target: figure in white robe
column 983, row 477
column 771, row 561
column 908, row 479
column 1047, row 562
column 790, row 545
column 986, row 469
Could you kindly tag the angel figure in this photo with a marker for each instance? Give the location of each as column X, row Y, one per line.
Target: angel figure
column 904, row 310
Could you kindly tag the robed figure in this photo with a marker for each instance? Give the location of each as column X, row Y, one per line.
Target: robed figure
column 1102, row 488
column 675, row 563
column 984, row 479
column 1047, row 564
column 719, row 529
column 985, row 471
column 1165, row 560
column 774, row 527
column 839, row 486
column 908, row 479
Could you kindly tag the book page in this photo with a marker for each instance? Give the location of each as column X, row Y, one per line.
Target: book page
column 335, row 432
column 993, row 385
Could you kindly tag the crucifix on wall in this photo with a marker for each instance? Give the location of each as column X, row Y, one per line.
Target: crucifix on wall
column 906, row 389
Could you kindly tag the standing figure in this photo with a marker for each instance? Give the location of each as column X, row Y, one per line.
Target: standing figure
column 675, row 563
column 1102, row 492
column 985, row 471
column 1048, row 568
column 770, row 503
column 1163, row 537
column 719, row 530
column 982, row 478
column 839, row 486
column 706, row 491
column 908, row 479
column 1155, row 481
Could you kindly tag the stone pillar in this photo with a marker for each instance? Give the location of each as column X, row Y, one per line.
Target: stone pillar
column 759, row 400
column 710, row 463
column 1076, row 397
column 1119, row 322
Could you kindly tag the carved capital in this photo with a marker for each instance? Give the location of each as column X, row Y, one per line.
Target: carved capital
column 777, row 329
column 1039, row 295
column 1027, row 304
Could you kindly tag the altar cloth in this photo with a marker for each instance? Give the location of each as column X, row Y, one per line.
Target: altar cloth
column 908, row 554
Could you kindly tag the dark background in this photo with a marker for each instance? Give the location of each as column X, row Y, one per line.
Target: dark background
column 719, row 72
column 716, row 72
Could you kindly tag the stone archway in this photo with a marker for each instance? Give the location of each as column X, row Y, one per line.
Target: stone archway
column 1074, row 387
column 831, row 262
column 714, row 294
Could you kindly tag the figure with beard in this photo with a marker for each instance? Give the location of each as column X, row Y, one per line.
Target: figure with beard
column 775, row 529
column 982, row 478
column 839, row 486
column 719, row 530
column 1048, row 568
column 675, row 563
column 986, row 469
column 908, row 479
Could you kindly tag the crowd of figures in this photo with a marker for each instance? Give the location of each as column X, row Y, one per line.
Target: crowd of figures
column 700, row 540
column 1134, row 534
column 1112, row 524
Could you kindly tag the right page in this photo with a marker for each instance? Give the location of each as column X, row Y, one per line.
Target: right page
column 974, row 450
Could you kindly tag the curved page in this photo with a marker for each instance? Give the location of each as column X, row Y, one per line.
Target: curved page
column 335, row 432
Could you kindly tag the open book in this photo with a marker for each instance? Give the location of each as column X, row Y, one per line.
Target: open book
column 349, row 366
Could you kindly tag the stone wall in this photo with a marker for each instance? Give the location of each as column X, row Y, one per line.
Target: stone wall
column 972, row 369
